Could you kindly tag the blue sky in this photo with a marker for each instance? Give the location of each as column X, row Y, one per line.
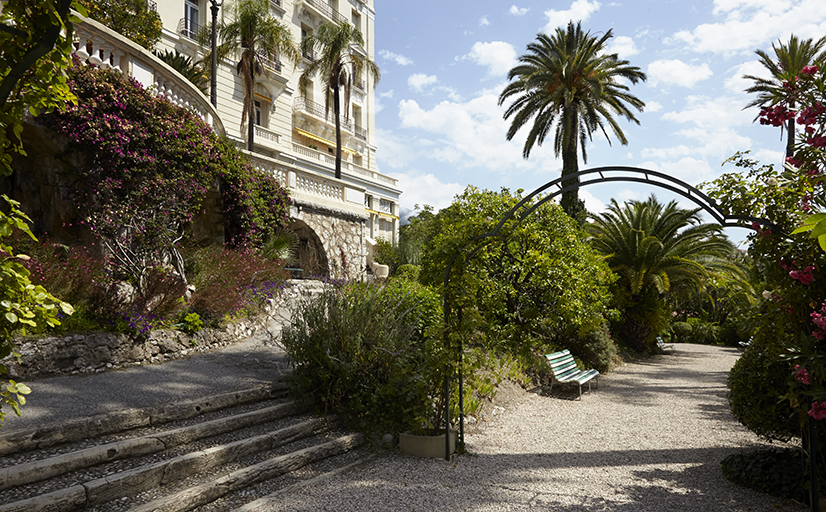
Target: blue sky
column 444, row 64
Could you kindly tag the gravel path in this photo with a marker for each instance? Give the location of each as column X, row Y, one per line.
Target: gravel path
column 650, row 439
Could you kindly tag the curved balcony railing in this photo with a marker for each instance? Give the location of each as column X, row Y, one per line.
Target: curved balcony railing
column 311, row 107
column 97, row 44
column 323, row 8
column 189, row 28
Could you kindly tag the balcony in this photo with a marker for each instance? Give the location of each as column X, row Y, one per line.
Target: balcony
column 360, row 85
column 266, row 138
column 314, row 109
column 275, row 65
column 321, row 7
column 188, row 28
column 360, row 132
column 277, row 7
column 97, row 44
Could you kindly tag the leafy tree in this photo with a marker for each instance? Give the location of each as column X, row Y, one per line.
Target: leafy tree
column 340, row 65
column 656, row 250
column 131, row 18
column 567, row 80
column 35, row 44
column 259, row 37
column 538, row 286
column 781, row 88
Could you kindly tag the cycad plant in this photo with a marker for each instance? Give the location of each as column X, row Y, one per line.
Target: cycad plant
column 656, row 250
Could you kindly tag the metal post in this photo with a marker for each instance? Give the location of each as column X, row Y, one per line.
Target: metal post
column 213, row 85
column 814, row 495
column 447, row 376
column 461, row 389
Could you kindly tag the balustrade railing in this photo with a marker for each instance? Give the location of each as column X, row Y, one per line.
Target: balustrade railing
column 188, row 27
column 272, row 63
column 317, row 110
column 360, row 132
column 325, row 9
column 96, row 44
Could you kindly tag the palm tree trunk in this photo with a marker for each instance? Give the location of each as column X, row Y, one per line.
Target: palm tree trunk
column 251, row 107
column 570, row 199
column 790, row 137
column 337, row 110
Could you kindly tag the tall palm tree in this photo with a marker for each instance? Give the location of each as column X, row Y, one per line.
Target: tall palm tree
column 568, row 80
column 340, row 64
column 260, row 37
column 657, row 250
column 791, row 58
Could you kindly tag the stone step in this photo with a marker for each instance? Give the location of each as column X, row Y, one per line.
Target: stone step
column 123, row 420
column 184, row 456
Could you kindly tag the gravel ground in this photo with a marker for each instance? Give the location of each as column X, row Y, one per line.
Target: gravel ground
column 650, row 439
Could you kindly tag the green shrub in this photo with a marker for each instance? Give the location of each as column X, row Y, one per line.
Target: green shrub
column 772, row 471
column 696, row 330
column 757, row 383
column 387, row 254
column 595, row 349
column 408, row 271
column 368, row 353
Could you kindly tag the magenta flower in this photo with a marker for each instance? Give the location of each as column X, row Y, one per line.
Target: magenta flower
column 802, row 374
column 818, row 410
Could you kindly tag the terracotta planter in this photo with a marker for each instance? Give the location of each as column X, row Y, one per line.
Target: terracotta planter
column 426, row 446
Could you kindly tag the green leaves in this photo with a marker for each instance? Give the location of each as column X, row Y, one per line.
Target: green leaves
column 816, row 226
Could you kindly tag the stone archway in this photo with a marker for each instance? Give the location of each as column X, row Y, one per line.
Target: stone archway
column 309, row 256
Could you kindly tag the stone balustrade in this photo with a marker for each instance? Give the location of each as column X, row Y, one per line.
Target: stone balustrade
column 97, row 44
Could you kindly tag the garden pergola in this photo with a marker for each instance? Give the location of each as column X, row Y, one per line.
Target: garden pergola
column 554, row 188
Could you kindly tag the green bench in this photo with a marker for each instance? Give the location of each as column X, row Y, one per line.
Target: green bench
column 565, row 370
column 662, row 346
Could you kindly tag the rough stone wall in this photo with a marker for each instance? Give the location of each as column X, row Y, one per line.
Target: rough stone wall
column 101, row 351
column 341, row 234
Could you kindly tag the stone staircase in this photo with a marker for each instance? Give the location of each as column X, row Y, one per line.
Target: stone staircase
column 227, row 452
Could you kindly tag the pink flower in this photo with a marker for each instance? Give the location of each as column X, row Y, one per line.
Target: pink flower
column 808, row 70
column 802, row 374
column 819, row 320
column 819, row 335
column 818, row 410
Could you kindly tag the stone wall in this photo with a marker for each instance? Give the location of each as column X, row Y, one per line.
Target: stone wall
column 342, row 236
column 101, row 351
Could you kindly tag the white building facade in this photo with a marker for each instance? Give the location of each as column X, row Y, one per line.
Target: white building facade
column 294, row 140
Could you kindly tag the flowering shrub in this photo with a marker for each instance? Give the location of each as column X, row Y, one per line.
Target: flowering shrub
column 150, row 168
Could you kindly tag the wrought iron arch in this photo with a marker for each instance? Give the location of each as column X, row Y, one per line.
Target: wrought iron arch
column 580, row 179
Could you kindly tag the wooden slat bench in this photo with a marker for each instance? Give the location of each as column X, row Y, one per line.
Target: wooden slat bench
column 565, row 370
column 661, row 344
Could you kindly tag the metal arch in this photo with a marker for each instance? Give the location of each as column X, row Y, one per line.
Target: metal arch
column 669, row 183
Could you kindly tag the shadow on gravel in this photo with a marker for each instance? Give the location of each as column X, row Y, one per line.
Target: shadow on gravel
column 548, row 482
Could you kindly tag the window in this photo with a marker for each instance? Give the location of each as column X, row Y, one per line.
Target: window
column 356, row 19
column 257, row 113
column 191, row 18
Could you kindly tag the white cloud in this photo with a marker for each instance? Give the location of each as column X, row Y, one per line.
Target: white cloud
column 425, row 188
column 580, row 10
column 387, row 94
column 623, row 46
column 483, row 22
column 713, row 124
column 651, row 106
column 519, row 11
column 688, row 169
column 677, row 72
column 471, row 134
column 592, row 204
column 418, row 81
column 498, row 56
column 401, row 60
column 736, row 83
column 750, row 24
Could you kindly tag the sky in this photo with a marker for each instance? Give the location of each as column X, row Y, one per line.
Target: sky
column 439, row 127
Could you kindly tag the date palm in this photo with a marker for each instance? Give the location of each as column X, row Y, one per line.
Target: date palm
column 340, row 62
column 657, row 250
column 260, row 37
column 791, row 58
column 569, row 81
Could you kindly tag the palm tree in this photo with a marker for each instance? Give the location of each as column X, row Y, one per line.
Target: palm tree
column 569, row 80
column 260, row 37
column 657, row 250
column 340, row 63
column 791, row 58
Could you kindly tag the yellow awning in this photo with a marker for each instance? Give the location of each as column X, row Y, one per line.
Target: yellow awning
column 323, row 140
